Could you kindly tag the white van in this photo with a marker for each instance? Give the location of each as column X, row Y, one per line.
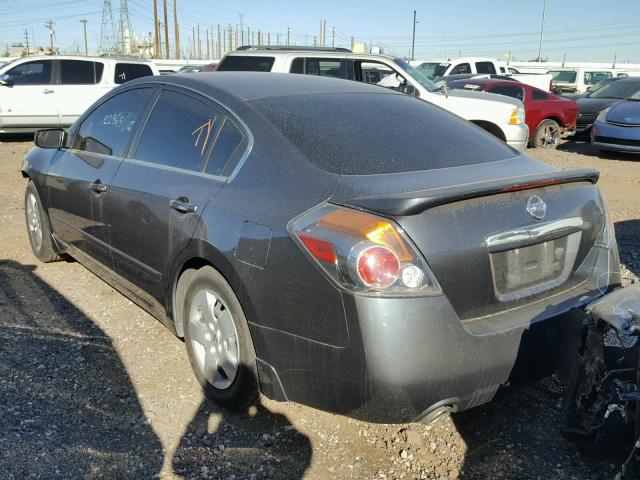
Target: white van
column 579, row 79
column 53, row 91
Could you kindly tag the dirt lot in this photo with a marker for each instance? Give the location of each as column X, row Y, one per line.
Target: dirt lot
column 93, row 387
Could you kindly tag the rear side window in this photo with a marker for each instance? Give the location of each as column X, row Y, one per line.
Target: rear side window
column 32, row 73
column 227, row 146
column 80, row 72
column 129, row 71
column 539, row 94
column 107, row 129
column 179, row 132
column 463, row 68
column 245, row 63
column 325, row 67
column 509, row 91
column 485, row 67
column 366, row 134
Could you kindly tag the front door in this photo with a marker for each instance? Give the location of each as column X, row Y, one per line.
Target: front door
column 30, row 99
column 157, row 196
column 78, row 177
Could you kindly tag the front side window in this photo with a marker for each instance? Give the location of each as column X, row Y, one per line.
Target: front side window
column 106, row 131
column 485, row 67
column 509, row 91
column 180, row 132
column 32, row 73
column 246, row 63
column 463, row 68
column 129, row 71
column 80, row 72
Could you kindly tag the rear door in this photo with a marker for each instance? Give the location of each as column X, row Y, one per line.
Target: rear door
column 79, row 86
column 78, row 177
column 30, row 101
column 156, row 198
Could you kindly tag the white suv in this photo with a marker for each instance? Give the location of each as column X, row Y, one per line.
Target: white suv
column 501, row 116
column 53, row 91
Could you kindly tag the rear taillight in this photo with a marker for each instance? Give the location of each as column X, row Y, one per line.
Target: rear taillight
column 362, row 252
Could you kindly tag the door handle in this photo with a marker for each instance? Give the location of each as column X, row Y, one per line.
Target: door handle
column 47, row 91
column 98, row 186
column 182, row 205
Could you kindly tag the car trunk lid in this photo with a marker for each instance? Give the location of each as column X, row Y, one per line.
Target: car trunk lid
column 482, row 229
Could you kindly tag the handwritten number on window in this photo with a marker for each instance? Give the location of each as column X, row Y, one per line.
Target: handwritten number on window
column 203, row 130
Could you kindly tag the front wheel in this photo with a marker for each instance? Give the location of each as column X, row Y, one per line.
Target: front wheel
column 38, row 226
column 547, row 134
column 218, row 341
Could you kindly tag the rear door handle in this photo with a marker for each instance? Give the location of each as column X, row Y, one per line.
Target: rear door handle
column 47, row 91
column 98, row 186
column 182, row 205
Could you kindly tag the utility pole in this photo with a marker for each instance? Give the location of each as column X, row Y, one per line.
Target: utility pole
column 277, row 39
column 352, row 43
column 166, row 31
column 156, row 31
column 269, row 39
column 230, row 45
column 315, row 41
column 219, row 43
column 208, row 51
column 199, row 45
column 260, row 39
column 86, row 45
column 26, row 39
column 321, row 26
column 413, row 41
column 288, row 35
column 333, row 37
column 193, row 46
column 50, row 25
column 176, row 29
column 241, row 15
column 544, row 11
column 324, row 32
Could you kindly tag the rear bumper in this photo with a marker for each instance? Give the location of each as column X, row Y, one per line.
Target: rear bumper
column 409, row 357
column 517, row 136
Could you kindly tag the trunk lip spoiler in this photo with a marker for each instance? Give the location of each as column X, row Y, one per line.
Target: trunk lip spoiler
column 417, row 201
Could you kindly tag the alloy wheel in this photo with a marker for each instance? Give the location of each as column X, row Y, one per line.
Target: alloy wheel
column 214, row 339
column 34, row 222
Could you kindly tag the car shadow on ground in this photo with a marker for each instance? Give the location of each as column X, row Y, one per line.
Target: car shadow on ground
column 16, row 137
column 256, row 444
column 67, row 406
column 582, row 146
column 504, row 440
column 628, row 236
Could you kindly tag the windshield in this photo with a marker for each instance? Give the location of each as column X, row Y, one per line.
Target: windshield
column 618, row 90
column 563, row 76
column 635, row 97
column 432, row 70
column 417, row 75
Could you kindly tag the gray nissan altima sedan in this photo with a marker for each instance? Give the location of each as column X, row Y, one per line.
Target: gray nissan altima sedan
column 322, row 241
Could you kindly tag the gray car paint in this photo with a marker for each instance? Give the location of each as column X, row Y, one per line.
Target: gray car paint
column 381, row 359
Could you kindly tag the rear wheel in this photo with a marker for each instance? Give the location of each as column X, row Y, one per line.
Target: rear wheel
column 218, row 341
column 547, row 134
column 38, row 226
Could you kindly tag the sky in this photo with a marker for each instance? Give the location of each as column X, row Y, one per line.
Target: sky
column 584, row 30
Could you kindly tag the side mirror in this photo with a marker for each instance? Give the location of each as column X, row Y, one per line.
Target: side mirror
column 408, row 89
column 50, row 138
column 6, row 80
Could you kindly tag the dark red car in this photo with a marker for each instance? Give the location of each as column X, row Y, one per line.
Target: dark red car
column 548, row 116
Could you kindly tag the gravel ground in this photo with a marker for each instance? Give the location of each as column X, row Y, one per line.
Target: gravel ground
column 93, row 387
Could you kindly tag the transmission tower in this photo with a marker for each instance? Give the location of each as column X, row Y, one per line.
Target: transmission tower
column 125, row 34
column 108, row 39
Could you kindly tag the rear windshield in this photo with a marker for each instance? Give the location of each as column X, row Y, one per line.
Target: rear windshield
column 244, row 63
column 368, row 133
column 563, row 76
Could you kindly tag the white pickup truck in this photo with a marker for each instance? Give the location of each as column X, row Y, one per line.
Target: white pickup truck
column 479, row 65
column 502, row 116
column 50, row 91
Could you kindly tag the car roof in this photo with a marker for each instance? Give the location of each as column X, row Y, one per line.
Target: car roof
column 255, row 85
column 82, row 57
column 314, row 53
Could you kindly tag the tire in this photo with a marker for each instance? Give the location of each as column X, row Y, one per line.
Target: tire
column 212, row 318
column 38, row 226
column 547, row 134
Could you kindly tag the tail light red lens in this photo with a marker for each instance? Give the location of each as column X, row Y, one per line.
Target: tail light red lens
column 378, row 267
column 363, row 252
